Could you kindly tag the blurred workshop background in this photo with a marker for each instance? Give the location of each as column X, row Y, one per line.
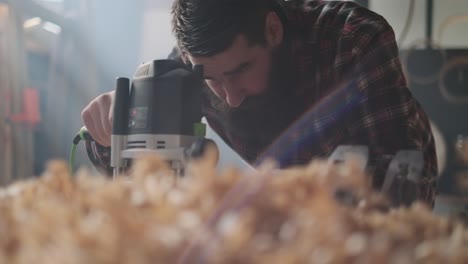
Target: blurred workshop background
column 57, row 55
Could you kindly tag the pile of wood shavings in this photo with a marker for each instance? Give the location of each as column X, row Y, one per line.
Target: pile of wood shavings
column 315, row 214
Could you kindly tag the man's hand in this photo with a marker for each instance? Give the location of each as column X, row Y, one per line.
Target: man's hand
column 97, row 117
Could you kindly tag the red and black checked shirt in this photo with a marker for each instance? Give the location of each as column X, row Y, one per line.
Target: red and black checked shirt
column 350, row 79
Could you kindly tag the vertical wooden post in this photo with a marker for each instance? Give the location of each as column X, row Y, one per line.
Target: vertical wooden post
column 18, row 138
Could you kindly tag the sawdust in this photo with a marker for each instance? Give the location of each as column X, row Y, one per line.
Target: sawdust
column 314, row 214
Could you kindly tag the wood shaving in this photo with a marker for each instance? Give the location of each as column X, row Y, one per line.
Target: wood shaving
column 320, row 213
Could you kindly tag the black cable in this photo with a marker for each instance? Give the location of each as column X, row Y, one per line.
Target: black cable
column 429, row 23
column 409, row 19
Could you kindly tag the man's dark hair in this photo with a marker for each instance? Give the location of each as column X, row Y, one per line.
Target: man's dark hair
column 208, row 27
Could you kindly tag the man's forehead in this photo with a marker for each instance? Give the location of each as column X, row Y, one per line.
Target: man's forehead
column 217, row 65
column 226, row 60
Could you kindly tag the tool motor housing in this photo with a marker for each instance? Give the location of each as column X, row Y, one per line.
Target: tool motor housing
column 165, row 99
column 162, row 115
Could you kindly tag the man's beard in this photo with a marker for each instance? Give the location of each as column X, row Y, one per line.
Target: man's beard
column 260, row 119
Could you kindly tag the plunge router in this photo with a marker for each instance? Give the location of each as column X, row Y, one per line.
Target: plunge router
column 158, row 112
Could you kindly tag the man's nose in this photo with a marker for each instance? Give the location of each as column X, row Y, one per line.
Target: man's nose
column 234, row 96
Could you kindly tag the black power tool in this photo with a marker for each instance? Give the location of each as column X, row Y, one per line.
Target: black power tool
column 158, row 112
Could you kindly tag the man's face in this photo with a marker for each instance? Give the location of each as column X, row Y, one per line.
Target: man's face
column 241, row 71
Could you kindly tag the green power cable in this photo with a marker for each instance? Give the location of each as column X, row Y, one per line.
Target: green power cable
column 82, row 135
column 72, row 158
column 199, row 129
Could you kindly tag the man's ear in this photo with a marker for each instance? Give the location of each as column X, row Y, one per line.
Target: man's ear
column 273, row 30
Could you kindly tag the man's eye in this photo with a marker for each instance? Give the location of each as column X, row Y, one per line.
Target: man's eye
column 244, row 69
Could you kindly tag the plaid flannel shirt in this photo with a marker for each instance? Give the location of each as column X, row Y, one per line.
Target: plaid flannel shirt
column 351, row 79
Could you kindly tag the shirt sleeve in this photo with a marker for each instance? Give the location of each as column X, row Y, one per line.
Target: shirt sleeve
column 388, row 119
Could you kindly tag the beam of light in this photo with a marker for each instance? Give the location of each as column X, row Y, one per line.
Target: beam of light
column 32, row 22
column 308, row 129
column 51, row 27
column 327, row 111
